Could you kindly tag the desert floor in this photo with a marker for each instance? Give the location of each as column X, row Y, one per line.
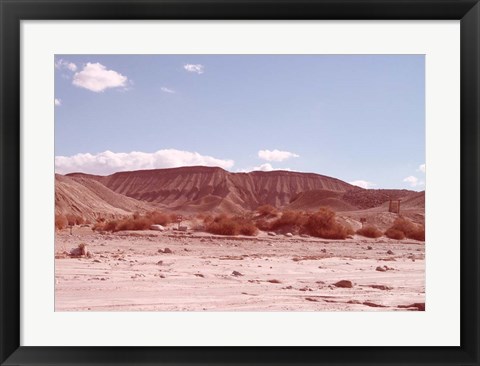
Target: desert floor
column 129, row 271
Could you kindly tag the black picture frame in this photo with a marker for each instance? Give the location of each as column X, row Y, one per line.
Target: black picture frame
column 13, row 11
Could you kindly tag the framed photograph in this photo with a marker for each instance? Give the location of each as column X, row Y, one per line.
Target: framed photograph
column 193, row 182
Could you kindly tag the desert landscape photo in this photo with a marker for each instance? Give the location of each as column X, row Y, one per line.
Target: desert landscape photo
column 239, row 183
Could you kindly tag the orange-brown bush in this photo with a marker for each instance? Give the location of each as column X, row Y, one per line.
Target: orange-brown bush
column 369, row 231
column 61, row 222
column 323, row 224
column 267, row 210
column 134, row 222
column 158, row 218
column 418, row 234
column 290, row 221
column 248, row 229
column 408, row 228
column 110, row 225
column 395, row 234
column 142, row 223
column 226, row 225
column 98, row 226
column 262, row 224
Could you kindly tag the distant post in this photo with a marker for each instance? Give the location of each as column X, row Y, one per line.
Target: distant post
column 394, row 206
column 363, row 220
column 179, row 221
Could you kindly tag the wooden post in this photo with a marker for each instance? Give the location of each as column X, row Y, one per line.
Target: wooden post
column 394, row 206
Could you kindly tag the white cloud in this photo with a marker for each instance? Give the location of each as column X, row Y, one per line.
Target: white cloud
column 197, row 68
column 413, row 181
column 363, row 184
column 421, row 168
column 267, row 167
column 58, row 102
column 109, row 162
column 65, row 65
column 264, row 167
column 276, row 155
column 97, row 78
column 167, row 90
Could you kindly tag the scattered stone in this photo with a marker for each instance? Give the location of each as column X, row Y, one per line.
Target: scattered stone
column 381, row 287
column 182, row 228
column 236, row 273
column 199, row 275
column 390, row 252
column 157, row 227
column 380, row 269
column 373, row 305
column 159, row 263
column 80, row 251
column 167, row 251
column 369, row 248
column 420, row 306
column 323, row 250
column 344, row 284
column 311, row 299
column 288, row 287
column 96, row 261
column 354, row 302
column 271, row 233
column 306, row 288
column 274, row 281
column 289, row 235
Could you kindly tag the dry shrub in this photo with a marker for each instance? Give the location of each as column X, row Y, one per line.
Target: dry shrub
column 226, row 225
column 110, row 225
column 407, row 228
column 323, row 224
column 290, row 221
column 395, row 234
column 263, row 225
column 370, row 231
column 248, row 229
column 98, row 226
column 61, row 222
column 135, row 222
column 418, row 234
column 267, row 210
column 158, row 218
column 142, row 223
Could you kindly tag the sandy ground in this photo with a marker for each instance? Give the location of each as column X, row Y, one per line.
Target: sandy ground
column 130, row 272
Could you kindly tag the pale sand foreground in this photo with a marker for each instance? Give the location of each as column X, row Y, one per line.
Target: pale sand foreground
column 128, row 273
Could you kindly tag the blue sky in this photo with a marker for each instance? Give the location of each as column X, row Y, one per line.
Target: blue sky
column 359, row 118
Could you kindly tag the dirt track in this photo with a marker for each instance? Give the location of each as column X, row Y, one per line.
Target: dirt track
column 208, row 273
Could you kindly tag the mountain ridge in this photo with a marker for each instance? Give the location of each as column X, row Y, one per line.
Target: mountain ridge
column 215, row 190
